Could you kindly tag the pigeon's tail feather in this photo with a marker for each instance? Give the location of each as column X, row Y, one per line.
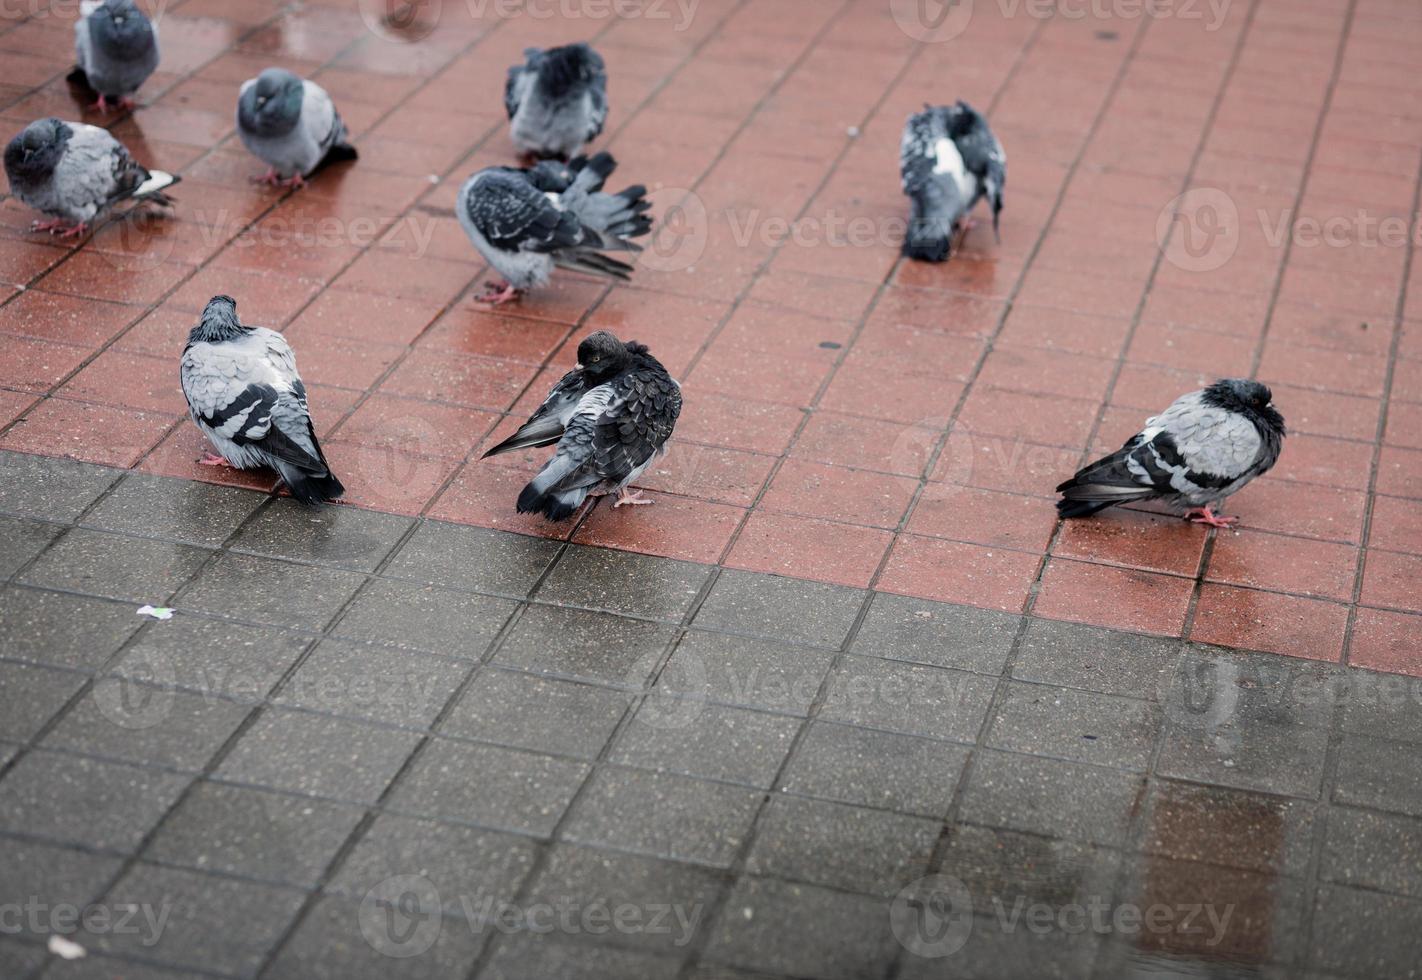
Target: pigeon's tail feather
column 307, row 487
column 340, row 152
column 547, row 495
column 77, row 76
column 617, row 218
column 592, row 171
column 152, row 188
column 1080, row 508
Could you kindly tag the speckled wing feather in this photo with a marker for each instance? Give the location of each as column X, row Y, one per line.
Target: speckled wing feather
column 513, row 215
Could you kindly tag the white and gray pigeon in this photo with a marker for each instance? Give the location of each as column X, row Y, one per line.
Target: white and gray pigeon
column 291, row 125
column 75, row 173
column 611, row 417
column 949, row 160
column 525, row 222
column 1200, row 450
column 246, row 397
column 116, row 47
column 557, row 100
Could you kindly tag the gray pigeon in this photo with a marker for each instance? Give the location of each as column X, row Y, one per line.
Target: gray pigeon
column 557, row 100
column 611, row 417
column 949, row 161
column 74, row 173
column 117, row 49
column 246, row 397
column 524, row 222
column 291, row 125
column 1201, row 449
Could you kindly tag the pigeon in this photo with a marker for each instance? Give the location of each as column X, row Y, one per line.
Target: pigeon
column 611, row 417
column 557, row 100
column 1200, row 450
column 74, row 173
column 526, row 221
column 116, row 46
column 246, row 397
column 949, row 160
column 291, row 125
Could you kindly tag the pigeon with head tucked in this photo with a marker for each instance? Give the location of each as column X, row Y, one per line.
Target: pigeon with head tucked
column 75, row 173
column 949, row 160
column 291, row 125
column 611, row 417
column 556, row 100
column 246, row 397
column 525, row 222
column 1200, row 450
column 116, row 46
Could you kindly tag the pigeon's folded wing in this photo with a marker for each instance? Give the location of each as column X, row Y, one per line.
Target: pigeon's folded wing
column 515, row 216
column 263, row 414
column 96, row 168
column 597, row 105
column 547, row 424
column 318, row 116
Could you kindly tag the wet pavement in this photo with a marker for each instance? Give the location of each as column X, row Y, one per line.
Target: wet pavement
column 849, row 701
column 371, row 745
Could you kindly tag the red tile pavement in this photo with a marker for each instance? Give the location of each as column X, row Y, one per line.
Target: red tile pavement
column 849, row 417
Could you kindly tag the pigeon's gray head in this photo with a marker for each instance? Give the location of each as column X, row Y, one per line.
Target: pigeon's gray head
column 1247, row 397
column 570, row 68
column 271, row 107
column 120, row 29
column 601, row 355
column 219, row 321
column 32, row 155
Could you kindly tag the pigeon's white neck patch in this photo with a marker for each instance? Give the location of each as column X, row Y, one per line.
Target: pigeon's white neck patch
column 950, row 161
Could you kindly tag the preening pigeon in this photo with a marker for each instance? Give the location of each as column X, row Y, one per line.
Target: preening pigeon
column 291, row 125
column 949, row 160
column 117, row 49
column 1201, row 449
column 557, row 100
column 611, row 417
column 524, row 222
column 246, row 397
column 74, row 173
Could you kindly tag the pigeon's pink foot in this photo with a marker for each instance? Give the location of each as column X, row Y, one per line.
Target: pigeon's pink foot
column 271, row 178
column 102, row 106
column 54, row 224
column 1205, row 515
column 73, row 231
column 212, row 459
column 295, row 182
column 633, row 499
column 498, row 294
column 127, row 103
column 969, row 224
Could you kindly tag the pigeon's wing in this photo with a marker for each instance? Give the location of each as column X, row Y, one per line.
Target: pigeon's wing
column 1192, row 449
column 95, row 169
column 917, row 156
column 615, row 431
column 513, row 215
column 982, row 154
column 319, row 117
column 521, row 79
column 83, row 41
column 547, row 424
column 248, row 392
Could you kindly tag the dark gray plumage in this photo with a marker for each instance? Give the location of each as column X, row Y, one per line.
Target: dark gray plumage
column 611, row 418
column 116, row 46
column 291, row 125
column 246, row 397
column 525, row 222
column 1200, row 450
column 75, row 173
column 949, row 160
column 557, row 100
